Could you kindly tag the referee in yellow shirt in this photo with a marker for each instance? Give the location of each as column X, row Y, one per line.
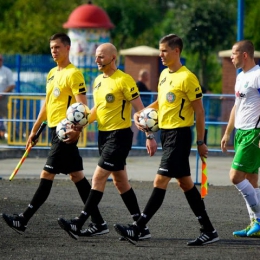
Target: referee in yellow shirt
column 65, row 86
column 115, row 92
column 179, row 96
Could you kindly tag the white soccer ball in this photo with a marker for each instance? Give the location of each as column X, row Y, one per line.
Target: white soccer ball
column 78, row 114
column 62, row 127
column 149, row 119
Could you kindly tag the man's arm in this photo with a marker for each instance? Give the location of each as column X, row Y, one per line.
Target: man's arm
column 200, row 126
column 81, row 98
column 9, row 88
column 42, row 116
column 74, row 133
column 151, row 144
column 229, row 129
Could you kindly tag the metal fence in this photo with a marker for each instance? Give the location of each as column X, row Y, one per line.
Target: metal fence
column 23, row 109
column 30, row 73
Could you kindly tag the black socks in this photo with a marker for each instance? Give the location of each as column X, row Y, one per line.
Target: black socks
column 198, row 207
column 39, row 198
column 131, row 203
column 84, row 188
column 152, row 206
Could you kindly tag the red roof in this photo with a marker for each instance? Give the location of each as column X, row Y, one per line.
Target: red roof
column 88, row 16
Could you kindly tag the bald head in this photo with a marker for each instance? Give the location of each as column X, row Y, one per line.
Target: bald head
column 106, row 54
column 107, row 48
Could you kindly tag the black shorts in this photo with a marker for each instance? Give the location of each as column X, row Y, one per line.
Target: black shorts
column 176, row 146
column 62, row 157
column 114, row 147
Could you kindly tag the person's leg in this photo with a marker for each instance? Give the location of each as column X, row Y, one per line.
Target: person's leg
column 249, row 193
column 252, row 217
column 84, row 187
column 96, row 193
column 247, row 190
column 155, row 201
column 40, row 195
column 196, row 202
column 253, row 179
column 73, row 227
column 120, row 180
column 19, row 223
column 208, row 233
column 132, row 232
column 244, row 175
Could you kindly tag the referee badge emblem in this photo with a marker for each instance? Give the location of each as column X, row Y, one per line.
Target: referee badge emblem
column 170, row 97
column 56, row 92
column 110, row 98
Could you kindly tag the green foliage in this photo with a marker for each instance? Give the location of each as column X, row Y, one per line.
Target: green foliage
column 251, row 24
column 206, row 26
column 131, row 20
column 213, row 72
column 31, row 24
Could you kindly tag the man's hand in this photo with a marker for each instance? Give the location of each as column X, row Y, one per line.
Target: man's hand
column 224, row 142
column 151, row 146
column 203, row 151
column 72, row 135
column 138, row 125
column 30, row 140
column 78, row 128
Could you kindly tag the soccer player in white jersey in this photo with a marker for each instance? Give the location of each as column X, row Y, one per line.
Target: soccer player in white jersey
column 245, row 118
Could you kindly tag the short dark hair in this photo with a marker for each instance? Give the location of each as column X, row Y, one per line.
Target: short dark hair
column 65, row 39
column 246, row 46
column 173, row 41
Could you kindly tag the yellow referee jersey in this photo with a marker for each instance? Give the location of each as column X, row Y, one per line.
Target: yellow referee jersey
column 112, row 96
column 175, row 93
column 60, row 90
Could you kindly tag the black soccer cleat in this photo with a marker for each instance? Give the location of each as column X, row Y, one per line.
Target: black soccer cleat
column 130, row 233
column 144, row 235
column 16, row 222
column 70, row 226
column 94, row 230
column 204, row 238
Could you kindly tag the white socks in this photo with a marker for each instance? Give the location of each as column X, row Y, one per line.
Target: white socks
column 251, row 196
column 251, row 214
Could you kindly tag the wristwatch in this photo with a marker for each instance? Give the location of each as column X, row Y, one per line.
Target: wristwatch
column 150, row 136
column 200, row 143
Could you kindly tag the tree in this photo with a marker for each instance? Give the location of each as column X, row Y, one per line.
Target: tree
column 131, row 20
column 32, row 23
column 251, row 20
column 206, row 28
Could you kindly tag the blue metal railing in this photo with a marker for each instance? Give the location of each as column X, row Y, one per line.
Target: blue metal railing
column 217, row 109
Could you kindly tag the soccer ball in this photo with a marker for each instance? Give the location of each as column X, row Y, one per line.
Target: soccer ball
column 149, row 119
column 78, row 114
column 62, row 127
